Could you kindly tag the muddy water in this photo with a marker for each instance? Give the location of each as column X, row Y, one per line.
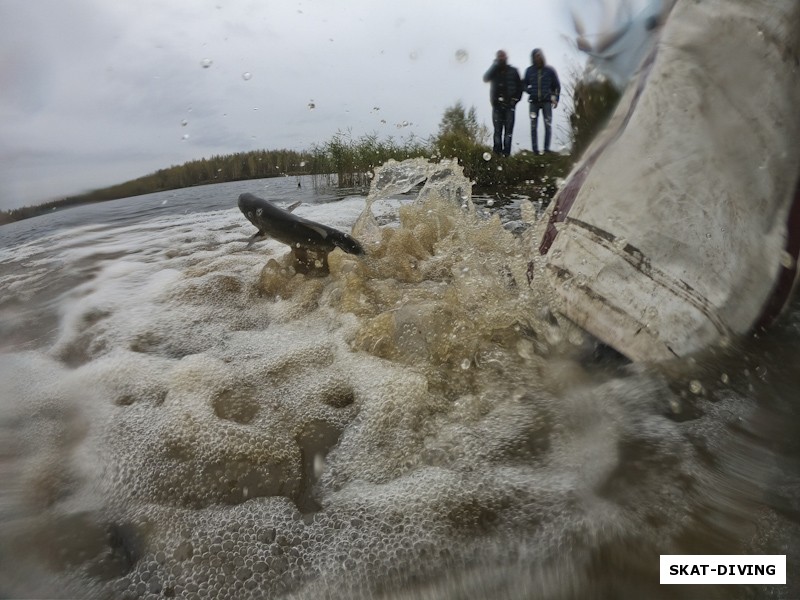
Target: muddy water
column 182, row 418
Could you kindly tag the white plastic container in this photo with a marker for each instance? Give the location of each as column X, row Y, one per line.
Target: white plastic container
column 681, row 224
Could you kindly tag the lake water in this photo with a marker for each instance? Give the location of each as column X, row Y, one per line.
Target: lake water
column 183, row 418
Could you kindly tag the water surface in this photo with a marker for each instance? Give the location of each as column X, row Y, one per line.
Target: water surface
column 183, row 418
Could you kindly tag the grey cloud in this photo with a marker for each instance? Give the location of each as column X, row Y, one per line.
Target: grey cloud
column 98, row 91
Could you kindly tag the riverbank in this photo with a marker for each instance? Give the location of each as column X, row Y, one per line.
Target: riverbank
column 523, row 173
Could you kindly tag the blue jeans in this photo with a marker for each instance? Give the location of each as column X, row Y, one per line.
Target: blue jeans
column 503, row 122
column 547, row 112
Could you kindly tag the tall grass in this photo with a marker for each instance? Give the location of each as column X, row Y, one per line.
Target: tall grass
column 496, row 173
column 593, row 101
column 353, row 159
column 348, row 162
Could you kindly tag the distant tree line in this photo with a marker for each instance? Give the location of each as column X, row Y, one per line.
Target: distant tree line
column 460, row 136
column 217, row 169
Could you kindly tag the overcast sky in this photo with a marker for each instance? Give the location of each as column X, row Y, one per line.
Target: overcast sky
column 94, row 92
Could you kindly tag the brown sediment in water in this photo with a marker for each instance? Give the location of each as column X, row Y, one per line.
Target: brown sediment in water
column 408, row 423
column 442, row 291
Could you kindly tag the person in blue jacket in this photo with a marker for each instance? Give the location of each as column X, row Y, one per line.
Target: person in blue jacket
column 544, row 89
column 505, row 92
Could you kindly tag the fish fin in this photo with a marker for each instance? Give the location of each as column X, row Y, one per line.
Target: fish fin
column 256, row 237
column 291, row 207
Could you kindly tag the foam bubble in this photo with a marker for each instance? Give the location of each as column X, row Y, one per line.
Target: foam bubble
column 211, row 422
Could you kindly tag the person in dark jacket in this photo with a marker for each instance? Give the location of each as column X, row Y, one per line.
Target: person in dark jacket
column 505, row 92
column 544, row 89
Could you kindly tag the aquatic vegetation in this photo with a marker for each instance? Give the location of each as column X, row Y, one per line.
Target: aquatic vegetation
column 344, row 161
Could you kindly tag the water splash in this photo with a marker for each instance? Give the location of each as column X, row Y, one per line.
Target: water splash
column 209, row 419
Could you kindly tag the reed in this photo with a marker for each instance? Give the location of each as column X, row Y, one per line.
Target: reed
column 354, row 159
column 346, row 161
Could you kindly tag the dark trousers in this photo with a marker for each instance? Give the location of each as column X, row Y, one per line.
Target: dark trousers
column 547, row 113
column 503, row 122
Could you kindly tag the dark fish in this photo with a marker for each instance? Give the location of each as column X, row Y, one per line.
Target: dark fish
column 297, row 232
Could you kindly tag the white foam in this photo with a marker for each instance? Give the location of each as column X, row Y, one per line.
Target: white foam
column 232, row 442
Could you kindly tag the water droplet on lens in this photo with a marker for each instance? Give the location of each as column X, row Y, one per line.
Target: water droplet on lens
column 695, row 386
column 462, row 55
column 247, row 75
column 185, row 136
column 311, row 105
column 184, row 123
column 487, row 156
column 490, row 202
column 302, row 163
column 319, row 465
column 787, row 261
column 465, row 364
column 206, row 62
column 724, row 378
